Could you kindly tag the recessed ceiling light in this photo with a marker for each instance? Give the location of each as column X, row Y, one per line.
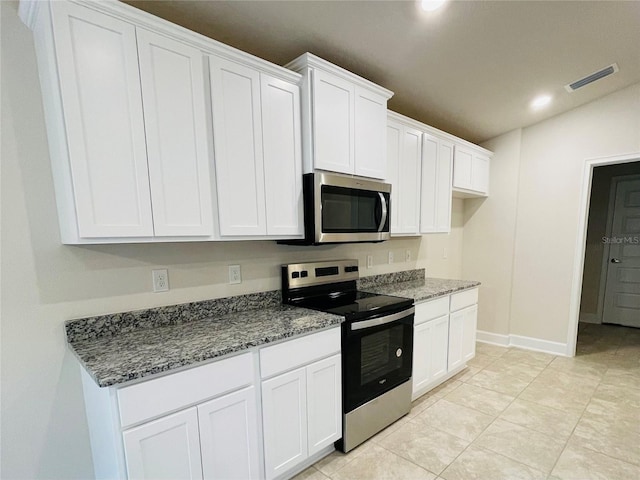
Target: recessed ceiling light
column 431, row 5
column 540, row 101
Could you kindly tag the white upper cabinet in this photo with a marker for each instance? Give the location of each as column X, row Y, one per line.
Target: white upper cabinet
column 256, row 128
column 334, row 122
column 404, row 153
column 470, row 172
column 173, row 92
column 282, row 156
column 370, row 127
column 99, row 102
column 343, row 119
column 134, row 114
column 235, row 90
column 437, row 165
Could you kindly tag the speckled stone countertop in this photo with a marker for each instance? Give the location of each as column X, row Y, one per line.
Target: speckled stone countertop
column 419, row 289
column 134, row 345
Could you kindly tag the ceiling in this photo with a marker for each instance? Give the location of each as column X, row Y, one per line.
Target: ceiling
column 470, row 69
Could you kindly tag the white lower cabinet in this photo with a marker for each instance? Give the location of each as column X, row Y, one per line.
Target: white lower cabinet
column 208, row 422
column 167, row 448
column 301, row 400
column 444, row 338
column 284, row 408
column 228, row 436
column 301, row 414
column 462, row 336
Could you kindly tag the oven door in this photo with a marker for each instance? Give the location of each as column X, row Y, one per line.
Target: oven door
column 377, row 355
column 351, row 209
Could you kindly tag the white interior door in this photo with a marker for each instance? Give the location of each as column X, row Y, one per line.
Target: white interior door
column 622, row 291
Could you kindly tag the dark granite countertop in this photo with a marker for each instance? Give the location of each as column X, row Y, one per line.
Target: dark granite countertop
column 422, row 289
column 117, row 358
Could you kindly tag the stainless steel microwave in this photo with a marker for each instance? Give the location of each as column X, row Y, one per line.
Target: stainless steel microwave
column 343, row 209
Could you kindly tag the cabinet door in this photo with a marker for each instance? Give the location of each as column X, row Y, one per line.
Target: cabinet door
column 237, row 132
column 409, row 181
column 469, row 333
column 463, row 160
column 439, row 347
column 394, row 138
column 430, row 346
column 324, row 402
column 421, row 356
column 333, row 122
column 101, row 98
column 456, row 332
column 284, row 417
column 229, row 436
column 429, row 187
column 167, row 448
column 282, row 156
column 443, row 187
column 370, row 138
column 173, row 90
column 480, row 174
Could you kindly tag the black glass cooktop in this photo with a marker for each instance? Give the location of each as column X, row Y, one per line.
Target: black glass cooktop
column 355, row 305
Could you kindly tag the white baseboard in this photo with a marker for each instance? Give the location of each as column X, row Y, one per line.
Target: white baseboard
column 492, row 338
column 590, row 318
column 528, row 343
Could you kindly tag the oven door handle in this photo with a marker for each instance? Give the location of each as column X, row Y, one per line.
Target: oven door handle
column 382, row 320
column 385, row 211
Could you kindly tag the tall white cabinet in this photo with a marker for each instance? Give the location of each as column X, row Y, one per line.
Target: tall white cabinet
column 343, row 119
column 404, row 159
column 437, row 168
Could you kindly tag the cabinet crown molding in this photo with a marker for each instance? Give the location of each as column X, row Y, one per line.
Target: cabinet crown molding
column 28, row 11
column 429, row 130
column 309, row 60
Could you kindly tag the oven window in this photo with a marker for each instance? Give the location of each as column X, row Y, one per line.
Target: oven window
column 348, row 210
column 378, row 354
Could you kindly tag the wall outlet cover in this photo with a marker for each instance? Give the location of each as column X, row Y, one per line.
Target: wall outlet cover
column 235, row 275
column 160, row 279
column 369, row 261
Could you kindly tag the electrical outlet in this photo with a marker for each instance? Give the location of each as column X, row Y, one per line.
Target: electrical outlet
column 407, row 255
column 390, row 257
column 160, row 280
column 369, row 261
column 445, row 254
column 234, row 274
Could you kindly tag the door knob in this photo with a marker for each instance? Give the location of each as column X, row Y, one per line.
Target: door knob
column 616, row 260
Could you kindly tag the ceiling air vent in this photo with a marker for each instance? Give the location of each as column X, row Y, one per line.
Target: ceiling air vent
column 605, row 72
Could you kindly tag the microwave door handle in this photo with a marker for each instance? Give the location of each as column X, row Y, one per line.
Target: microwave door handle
column 385, row 212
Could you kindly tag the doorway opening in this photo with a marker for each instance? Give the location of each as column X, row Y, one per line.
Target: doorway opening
column 604, row 180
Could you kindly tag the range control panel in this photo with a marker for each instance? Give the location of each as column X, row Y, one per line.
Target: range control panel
column 317, row 273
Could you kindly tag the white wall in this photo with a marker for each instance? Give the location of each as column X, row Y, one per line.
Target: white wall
column 44, row 283
column 548, row 172
column 489, row 235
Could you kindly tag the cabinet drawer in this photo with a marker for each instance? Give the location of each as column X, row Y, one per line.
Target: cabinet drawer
column 294, row 353
column 431, row 309
column 464, row 299
column 165, row 394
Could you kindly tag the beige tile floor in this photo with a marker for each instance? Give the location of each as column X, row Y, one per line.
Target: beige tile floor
column 516, row 414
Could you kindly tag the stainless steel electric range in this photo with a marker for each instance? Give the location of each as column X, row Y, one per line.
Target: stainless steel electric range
column 377, row 344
